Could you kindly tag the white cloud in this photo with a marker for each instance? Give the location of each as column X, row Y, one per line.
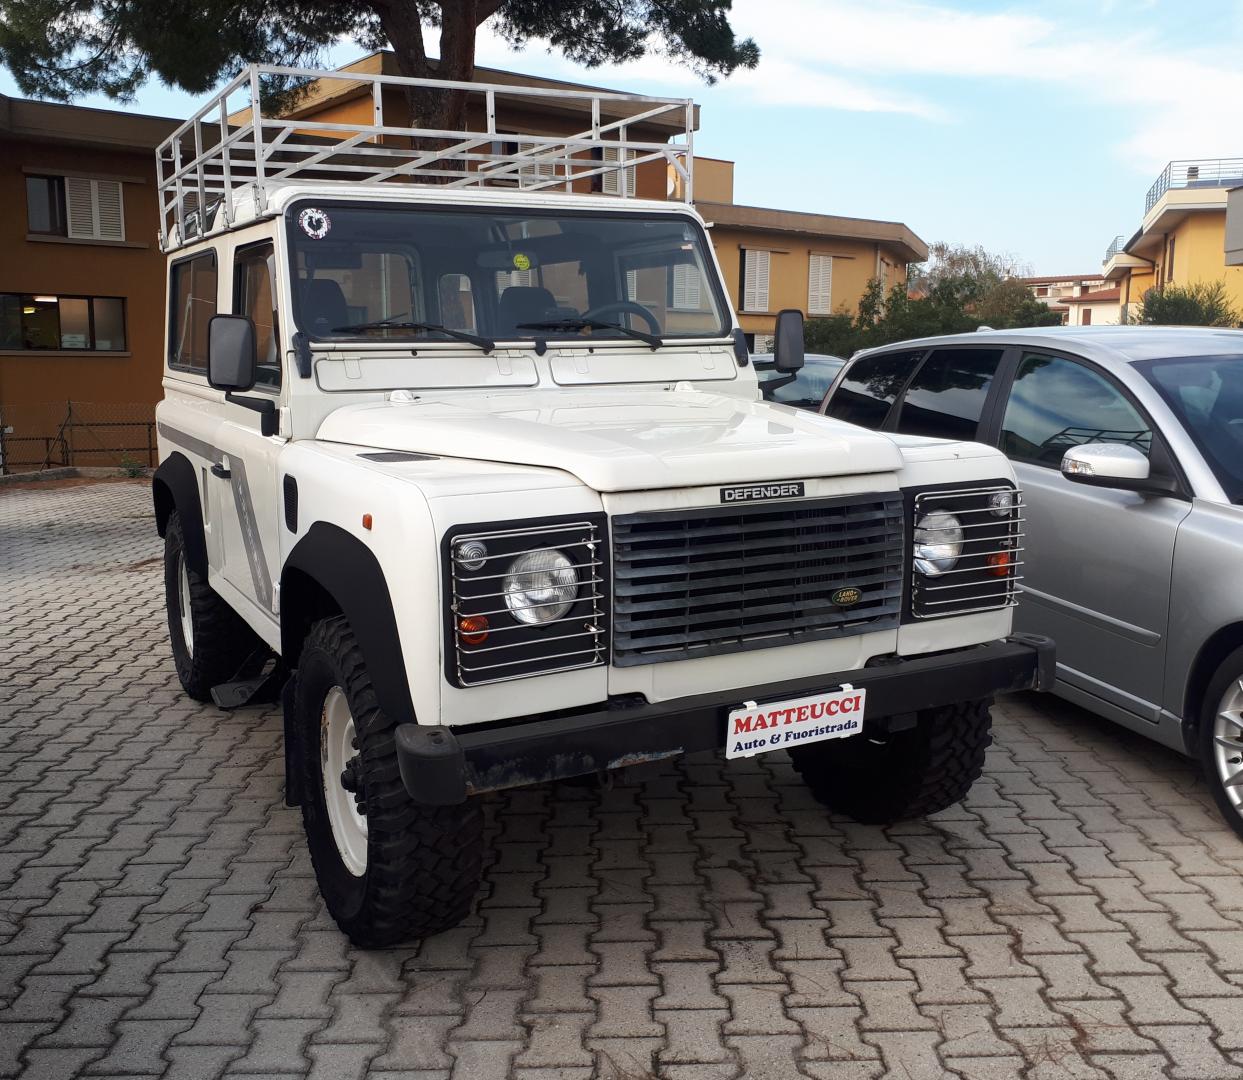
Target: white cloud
column 904, row 57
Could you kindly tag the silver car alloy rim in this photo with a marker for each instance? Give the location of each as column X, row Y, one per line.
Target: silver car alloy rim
column 1228, row 743
column 183, row 603
column 336, row 750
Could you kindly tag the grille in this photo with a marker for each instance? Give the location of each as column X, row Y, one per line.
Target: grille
column 986, row 575
column 707, row 581
column 516, row 650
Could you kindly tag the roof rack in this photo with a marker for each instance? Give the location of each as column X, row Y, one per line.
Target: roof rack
column 219, row 154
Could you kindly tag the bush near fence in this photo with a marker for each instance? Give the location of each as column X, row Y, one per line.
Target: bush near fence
column 81, row 433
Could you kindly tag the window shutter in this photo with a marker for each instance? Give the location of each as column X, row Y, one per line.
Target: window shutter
column 686, row 287
column 536, row 173
column 80, row 207
column 820, row 285
column 632, row 285
column 110, row 210
column 755, row 281
column 616, row 181
column 94, row 209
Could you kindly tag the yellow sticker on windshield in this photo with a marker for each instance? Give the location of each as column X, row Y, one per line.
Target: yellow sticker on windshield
column 522, row 262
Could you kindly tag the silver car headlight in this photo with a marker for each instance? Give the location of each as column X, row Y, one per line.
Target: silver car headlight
column 938, row 542
column 540, row 586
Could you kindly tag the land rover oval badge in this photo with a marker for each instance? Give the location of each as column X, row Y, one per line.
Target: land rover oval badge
column 847, row 597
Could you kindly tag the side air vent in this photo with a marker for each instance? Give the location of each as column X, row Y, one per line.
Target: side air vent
column 290, row 486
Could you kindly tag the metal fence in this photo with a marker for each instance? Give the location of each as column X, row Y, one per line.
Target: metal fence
column 81, row 433
column 1196, row 173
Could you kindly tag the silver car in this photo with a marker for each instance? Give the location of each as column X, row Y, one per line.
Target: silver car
column 1128, row 445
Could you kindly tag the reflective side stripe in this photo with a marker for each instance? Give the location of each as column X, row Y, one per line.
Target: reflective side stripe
column 247, row 521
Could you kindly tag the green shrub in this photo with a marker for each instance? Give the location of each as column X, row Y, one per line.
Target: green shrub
column 1202, row 303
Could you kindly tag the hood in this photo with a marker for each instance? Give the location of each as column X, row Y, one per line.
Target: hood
column 621, row 440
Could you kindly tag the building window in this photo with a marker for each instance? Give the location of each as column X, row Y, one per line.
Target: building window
column 45, row 205
column 686, row 292
column 755, row 273
column 820, row 285
column 34, row 321
column 1169, row 263
column 1085, row 317
column 1042, row 290
column 75, row 207
column 192, row 293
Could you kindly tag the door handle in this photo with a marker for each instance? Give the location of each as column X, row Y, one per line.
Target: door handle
column 220, row 471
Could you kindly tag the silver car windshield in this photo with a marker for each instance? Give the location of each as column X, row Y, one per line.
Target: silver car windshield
column 1206, row 394
column 411, row 273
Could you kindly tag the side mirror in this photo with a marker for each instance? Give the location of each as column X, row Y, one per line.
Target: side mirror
column 1113, row 465
column 231, row 359
column 788, row 341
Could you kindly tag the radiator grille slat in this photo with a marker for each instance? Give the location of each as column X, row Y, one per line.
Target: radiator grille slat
column 716, row 580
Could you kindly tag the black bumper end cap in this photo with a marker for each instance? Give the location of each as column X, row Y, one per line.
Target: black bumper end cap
column 433, row 766
column 1046, row 658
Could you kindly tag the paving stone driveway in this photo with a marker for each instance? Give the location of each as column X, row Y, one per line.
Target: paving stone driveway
column 1081, row 916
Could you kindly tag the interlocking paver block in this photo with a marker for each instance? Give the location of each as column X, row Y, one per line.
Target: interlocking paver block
column 1080, row 916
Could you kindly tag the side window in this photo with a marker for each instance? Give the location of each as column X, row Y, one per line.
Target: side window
column 871, row 386
column 254, row 296
column 1057, row 403
column 192, row 293
column 947, row 395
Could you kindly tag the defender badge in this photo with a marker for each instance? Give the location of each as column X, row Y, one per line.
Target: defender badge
column 847, row 597
column 759, row 492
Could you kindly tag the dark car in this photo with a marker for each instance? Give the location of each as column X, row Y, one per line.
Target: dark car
column 807, row 388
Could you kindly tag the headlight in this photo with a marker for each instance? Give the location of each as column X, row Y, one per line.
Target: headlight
column 938, row 543
column 540, row 586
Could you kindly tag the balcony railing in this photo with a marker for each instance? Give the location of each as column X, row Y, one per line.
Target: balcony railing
column 1116, row 247
column 1198, row 173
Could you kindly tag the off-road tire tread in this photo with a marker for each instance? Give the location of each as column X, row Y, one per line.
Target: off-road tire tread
column 222, row 639
column 916, row 773
column 424, row 863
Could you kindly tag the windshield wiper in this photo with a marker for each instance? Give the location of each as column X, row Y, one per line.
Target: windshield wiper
column 593, row 324
column 486, row 344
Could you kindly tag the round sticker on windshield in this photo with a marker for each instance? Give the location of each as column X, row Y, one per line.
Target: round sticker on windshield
column 314, row 222
column 522, row 262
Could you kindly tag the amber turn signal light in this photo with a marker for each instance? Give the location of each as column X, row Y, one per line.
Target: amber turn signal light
column 999, row 563
column 473, row 629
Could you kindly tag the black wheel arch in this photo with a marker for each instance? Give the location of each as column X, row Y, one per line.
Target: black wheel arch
column 330, row 572
column 1220, row 645
column 175, row 487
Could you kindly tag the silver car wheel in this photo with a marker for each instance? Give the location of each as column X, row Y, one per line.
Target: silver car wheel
column 1228, row 744
column 183, row 604
column 336, row 750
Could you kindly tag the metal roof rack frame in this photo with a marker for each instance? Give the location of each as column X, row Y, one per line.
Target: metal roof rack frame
column 218, row 155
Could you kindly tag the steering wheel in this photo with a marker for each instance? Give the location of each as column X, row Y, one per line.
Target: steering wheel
column 622, row 306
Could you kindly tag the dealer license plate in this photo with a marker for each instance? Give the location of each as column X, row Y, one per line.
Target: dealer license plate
column 780, row 725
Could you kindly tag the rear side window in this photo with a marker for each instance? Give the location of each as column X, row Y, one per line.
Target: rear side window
column 254, row 296
column 946, row 398
column 192, row 293
column 1056, row 403
column 871, row 386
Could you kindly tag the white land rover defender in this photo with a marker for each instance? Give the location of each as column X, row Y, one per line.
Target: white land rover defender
column 478, row 472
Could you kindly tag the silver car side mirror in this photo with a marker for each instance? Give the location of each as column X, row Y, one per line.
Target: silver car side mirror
column 1115, row 465
column 1099, row 462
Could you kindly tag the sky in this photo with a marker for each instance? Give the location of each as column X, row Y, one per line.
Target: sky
column 1032, row 130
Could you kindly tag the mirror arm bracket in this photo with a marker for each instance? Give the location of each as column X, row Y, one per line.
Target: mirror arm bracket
column 265, row 407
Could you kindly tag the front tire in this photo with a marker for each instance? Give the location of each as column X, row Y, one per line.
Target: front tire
column 1221, row 739
column 907, row 774
column 389, row 869
column 210, row 641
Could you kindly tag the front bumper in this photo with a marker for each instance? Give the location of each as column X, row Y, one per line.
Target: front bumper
column 443, row 766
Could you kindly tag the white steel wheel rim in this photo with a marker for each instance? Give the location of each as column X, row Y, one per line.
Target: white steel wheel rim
column 336, row 749
column 183, row 603
column 1228, row 744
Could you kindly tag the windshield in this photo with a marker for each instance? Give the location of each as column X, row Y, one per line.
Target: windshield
column 1206, row 394
column 499, row 274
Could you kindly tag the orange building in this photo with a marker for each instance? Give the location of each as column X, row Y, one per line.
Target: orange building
column 81, row 284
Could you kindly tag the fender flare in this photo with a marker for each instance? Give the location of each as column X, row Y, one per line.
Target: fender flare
column 175, row 487
column 347, row 570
